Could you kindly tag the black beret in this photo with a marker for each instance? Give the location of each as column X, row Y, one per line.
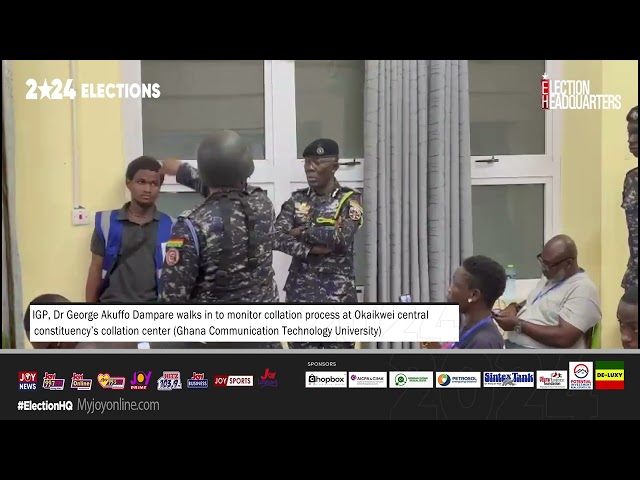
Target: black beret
column 323, row 147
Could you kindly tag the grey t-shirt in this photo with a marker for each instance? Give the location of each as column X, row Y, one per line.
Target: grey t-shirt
column 575, row 300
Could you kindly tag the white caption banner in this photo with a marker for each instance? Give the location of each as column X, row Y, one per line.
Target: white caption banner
column 406, row 322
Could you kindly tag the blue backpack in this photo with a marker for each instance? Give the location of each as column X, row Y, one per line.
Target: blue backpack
column 110, row 228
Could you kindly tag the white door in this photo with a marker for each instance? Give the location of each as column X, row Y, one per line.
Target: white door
column 278, row 105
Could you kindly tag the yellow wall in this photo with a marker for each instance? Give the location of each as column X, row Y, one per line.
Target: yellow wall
column 54, row 254
column 595, row 159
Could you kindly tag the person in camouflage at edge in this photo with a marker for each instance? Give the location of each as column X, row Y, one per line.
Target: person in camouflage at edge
column 630, row 202
column 189, row 177
column 317, row 227
column 221, row 251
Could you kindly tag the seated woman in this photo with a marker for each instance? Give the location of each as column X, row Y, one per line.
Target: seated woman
column 50, row 298
column 476, row 286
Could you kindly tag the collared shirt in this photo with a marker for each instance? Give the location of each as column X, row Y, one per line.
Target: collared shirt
column 575, row 300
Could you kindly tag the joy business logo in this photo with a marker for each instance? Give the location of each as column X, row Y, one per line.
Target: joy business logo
column 580, row 375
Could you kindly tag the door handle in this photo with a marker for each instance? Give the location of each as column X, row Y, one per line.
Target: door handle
column 493, row 159
column 350, row 162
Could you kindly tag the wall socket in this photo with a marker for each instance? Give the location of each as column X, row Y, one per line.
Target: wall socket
column 80, row 216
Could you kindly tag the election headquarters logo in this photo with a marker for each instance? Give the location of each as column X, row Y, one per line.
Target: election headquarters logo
column 78, row 382
column 106, row 381
column 610, row 375
column 51, row 382
column 28, row 381
column 140, row 380
column 197, row 381
column 169, row 381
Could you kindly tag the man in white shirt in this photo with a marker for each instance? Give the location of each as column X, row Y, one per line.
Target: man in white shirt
column 563, row 307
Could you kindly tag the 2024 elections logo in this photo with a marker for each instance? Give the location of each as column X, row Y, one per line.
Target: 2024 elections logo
column 325, row 380
column 552, row 379
column 458, row 380
column 580, row 375
column 512, row 379
column 410, row 379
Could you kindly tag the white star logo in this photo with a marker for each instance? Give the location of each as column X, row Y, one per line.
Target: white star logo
column 545, row 76
column 45, row 90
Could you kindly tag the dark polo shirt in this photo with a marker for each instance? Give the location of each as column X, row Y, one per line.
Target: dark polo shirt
column 133, row 280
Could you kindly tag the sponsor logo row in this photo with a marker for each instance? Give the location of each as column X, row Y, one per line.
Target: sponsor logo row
column 141, row 380
column 580, row 376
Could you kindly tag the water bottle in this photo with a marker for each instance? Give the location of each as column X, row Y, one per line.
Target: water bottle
column 510, row 290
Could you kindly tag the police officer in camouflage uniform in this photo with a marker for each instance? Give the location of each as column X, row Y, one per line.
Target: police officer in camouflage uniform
column 317, row 227
column 630, row 202
column 221, row 251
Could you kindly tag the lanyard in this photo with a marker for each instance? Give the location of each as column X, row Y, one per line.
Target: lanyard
column 468, row 333
column 544, row 292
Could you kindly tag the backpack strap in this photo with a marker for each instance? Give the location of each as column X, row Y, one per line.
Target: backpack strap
column 110, row 228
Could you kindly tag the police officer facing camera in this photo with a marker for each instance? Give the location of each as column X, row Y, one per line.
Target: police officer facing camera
column 317, row 227
column 221, row 251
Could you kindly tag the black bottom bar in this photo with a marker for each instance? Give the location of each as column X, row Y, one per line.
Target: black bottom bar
column 285, row 392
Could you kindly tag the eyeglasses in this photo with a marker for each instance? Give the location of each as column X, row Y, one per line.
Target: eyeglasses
column 553, row 265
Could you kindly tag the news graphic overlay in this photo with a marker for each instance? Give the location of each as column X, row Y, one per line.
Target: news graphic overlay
column 305, row 384
column 557, row 94
column 60, row 89
column 398, row 322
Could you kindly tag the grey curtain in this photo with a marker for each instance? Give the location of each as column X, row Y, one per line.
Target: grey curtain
column 12, row 326
column 417, row 179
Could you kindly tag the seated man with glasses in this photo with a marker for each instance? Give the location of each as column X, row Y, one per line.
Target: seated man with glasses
column 562, row 309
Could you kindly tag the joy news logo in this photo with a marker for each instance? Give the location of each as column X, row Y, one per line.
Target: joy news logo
column 511, row 379
column 458, row 379
column 368, row 380
column 57, row 89
column 574, row 95
column 410, row 379
column 28, row 381
column 325, row 380
column 580, row 375
column 551, row 379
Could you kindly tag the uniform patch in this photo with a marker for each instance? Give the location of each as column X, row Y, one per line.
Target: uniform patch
column 172, row 257
column 355, row 211
column 302, row 209
column 175, row 243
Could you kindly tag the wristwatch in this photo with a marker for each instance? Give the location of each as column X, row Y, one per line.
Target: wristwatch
column 518, row 327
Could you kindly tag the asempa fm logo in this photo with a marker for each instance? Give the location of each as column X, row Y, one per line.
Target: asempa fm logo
column 574, row 95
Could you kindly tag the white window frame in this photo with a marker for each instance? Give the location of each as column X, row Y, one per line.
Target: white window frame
column 280, row 173
column 532, row 169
